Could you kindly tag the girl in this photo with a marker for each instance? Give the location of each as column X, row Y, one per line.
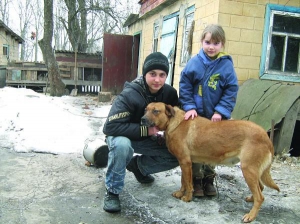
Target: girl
column 208, row 87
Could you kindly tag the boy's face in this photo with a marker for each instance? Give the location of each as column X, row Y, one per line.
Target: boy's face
column 211, row 47
column 155, row 79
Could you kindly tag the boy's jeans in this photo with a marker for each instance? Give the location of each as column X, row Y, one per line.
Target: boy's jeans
column 155, row 158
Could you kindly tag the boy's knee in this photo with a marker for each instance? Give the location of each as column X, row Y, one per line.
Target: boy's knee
column 122, row 145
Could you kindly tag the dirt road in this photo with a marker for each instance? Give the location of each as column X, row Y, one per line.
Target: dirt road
column 40, row 188
column 45, row 188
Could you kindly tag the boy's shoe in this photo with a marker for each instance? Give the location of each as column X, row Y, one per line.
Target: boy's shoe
column 208, row 184
column 198, row 187
column 111, row 202
column 133, row 167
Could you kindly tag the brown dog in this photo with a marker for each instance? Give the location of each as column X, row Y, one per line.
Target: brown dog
column 225, row 142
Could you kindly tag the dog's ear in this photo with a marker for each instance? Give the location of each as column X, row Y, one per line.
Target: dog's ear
column 170, row 112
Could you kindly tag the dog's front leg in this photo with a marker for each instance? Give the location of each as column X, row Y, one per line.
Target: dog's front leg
column 187, row 181
column 186, row 191
column 178, row 194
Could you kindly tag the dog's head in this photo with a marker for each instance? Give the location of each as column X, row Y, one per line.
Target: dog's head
column 157, row 114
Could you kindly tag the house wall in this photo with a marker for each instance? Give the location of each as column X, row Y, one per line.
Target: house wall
column 13, row 44
column 243, row 23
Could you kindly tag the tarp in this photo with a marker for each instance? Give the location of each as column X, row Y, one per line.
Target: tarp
column 261, row 101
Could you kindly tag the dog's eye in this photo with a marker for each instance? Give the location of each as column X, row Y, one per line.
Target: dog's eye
column 155, row 111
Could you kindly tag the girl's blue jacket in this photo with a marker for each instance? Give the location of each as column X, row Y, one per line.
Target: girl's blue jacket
column 209, row 86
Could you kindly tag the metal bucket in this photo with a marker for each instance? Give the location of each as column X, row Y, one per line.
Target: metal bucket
column 96, row 153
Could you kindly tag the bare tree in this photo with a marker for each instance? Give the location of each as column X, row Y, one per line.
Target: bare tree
column 25, row 16
column 4, row 10
column 60, row 34
column 77, row 22
column 57, row 87
column 38, row 19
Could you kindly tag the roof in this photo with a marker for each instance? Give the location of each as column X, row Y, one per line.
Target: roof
column 12, row 33
column 132, row 18
column 79, row 52
column 262, row 101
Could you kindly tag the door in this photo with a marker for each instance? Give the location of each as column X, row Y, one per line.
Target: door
column 168, row 42
column 119, row 62
column 2, row 77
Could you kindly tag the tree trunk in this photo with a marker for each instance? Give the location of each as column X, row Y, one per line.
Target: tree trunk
column 77, row 24
column 57, row 87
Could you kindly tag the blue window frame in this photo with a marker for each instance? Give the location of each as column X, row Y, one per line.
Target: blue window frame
column 281, row 44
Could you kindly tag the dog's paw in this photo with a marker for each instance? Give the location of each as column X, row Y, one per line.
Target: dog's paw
column 247, row 218
column 249, row 199
column 177, row 194
column 186, row 198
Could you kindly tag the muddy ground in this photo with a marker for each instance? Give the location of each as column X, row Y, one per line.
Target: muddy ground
column 44, row 188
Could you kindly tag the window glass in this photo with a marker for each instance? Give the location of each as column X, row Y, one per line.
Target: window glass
column 187, row 35
column 276, row 53
column 5, row 50
column 285, row 23
column 155, row 37
column 292, row 56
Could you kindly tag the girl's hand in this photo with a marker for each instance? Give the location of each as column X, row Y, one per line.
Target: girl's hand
column 190, row 113
column 216, row 117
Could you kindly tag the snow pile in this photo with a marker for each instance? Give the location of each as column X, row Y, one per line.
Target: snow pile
column 34, row 122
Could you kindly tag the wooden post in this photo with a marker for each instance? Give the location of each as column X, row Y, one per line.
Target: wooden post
column 283, row 138
column 76, row 73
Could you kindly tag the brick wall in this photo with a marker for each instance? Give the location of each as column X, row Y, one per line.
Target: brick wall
column 149, row 5
column 242, row 20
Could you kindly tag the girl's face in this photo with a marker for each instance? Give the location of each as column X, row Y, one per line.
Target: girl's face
column 155, row 79
column 210, row 47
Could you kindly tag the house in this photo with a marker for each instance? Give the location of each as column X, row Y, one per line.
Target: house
column 80, row 70
column 10, row 43
column 34, row 75
column 263, row 39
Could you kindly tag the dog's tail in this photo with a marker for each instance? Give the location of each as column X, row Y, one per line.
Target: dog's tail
column 267, row 179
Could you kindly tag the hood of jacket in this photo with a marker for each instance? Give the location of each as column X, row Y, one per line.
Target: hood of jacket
column 207, row 61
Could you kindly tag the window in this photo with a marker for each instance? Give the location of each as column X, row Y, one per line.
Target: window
column 155, row 37
column 89, row 74
column 281, row 44
column 187, row 40
column 5, row 50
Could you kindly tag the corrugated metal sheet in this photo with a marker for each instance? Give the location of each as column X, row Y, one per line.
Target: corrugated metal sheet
column 261, row 101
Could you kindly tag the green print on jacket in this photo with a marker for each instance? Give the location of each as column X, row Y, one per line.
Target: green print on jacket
column 200, row 90
column 213, row 81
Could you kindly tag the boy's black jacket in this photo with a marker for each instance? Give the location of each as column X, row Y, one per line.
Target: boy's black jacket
column 128, row 108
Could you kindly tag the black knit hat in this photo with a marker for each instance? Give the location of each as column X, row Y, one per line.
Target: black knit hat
column 154, row 61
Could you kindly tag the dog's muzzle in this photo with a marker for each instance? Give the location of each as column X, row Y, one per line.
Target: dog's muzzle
column 146, row 122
